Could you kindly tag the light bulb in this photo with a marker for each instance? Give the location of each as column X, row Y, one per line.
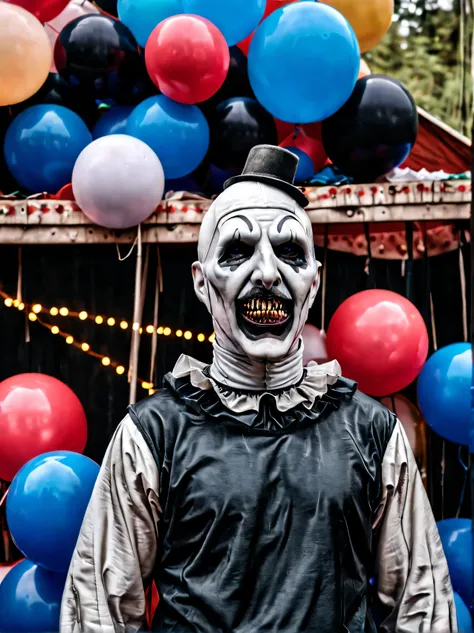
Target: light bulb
column 120, row 370
column 147, row 385
column 159, row 330
column 212, row 338
column 150, row 329
column 55, row 329
column 123, row 325
column 8, row 302
column 32, row 316
column 179, row 333
column 85, row 347
column 106, row 361
column 83, row 315
column 16, row 303
column 99, row 319
column 54, row 312
column 188, row 335
column 21, row 306
column 63, row 311
column 70, row 340
column 201, row 338
column 167, row 331
column 111, row 321
column 37, row 308
column 136, row 327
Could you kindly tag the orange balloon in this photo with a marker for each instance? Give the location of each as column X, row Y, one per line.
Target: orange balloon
column 364, row 69
column 370, row 19
column 25, row 54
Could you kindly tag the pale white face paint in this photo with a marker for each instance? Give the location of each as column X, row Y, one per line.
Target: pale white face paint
column 256, row 243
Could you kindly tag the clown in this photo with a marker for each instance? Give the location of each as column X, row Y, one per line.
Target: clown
column 259, row 494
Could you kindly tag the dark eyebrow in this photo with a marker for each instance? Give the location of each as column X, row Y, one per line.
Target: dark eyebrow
column 284, row 219
column 241, row 217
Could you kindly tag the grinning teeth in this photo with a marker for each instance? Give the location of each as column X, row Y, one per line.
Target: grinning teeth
column 264, row 304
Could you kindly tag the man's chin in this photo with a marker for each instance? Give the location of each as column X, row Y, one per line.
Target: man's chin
column 265, row 349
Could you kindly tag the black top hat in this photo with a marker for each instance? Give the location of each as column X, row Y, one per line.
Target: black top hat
column 274, row 166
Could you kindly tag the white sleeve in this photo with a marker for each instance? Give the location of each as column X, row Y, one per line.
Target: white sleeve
column 412, row 577
column 117, row 546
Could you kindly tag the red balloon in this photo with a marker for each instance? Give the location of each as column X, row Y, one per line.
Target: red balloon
column 380, row 340
column 187, row 57
column 314, row 345
column 44, row 10
column 38, row 414
column 309, row 140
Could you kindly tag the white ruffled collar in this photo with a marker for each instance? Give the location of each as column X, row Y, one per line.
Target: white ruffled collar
column 314, row 384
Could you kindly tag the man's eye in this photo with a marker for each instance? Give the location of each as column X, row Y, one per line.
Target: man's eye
column 291, row 252
column 236, row 251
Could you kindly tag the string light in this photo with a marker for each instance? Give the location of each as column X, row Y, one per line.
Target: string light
column 167, row 331
column 159, row 330
column 83, row 315
column 201, row 338
column 123, row 325
column 106, row 361
column 37, row 308
column 179, row 333
column 8, row 302
column 150, row 329
column 69, row 340
column 54, row 312
column 188, row 335
column 85, row 347
column 111, row 321
column 16, row 303
column 55, row 329
column 212, row 338
column 99, row 319
column 120, row 370
column 21, row 306
column 63, row 311
column 136, row 327
column 32, row 316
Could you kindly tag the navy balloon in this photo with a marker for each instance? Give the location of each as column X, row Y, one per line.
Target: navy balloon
column 444, row 392
column 42, row 145
column 303, row 62
column 305, row 169
column 236, row 19
column 46, row 504
column 113, row 121
column 177, row 133
column 464, row 615
column 30, row 599
column 182, row 184
column 456, row 537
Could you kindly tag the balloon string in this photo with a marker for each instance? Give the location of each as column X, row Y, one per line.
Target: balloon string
column 465, row 467
column 324, row 280
column 462, row 277
column 154, row 339
column 122, row 259
column 2, row 500
column 134, row 349
column 409, row 263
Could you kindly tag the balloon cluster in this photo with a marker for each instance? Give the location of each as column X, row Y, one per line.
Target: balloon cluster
column 198, row 81
column 41, row 423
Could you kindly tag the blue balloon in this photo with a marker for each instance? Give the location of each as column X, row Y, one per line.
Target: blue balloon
column 464, row 615
column 303, row 62
column 42, row 145
column 305, row 169
column 456, row 537
column 217, row 178
column 113, row 121
column 141, row 16
column 177, row 133
column 46, row 504
column 30, row 599
column 236, row 19
column 444, row 392
column 182, row 184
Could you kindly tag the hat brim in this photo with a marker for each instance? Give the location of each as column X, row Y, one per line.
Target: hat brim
column 291, row 190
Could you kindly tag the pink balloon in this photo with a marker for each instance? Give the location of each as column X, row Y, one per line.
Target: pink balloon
column 75, row 9
column 314, row 345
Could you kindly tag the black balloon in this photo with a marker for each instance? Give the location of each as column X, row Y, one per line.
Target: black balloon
column 58, row 91
column 237, row 125
column 374, row 130
column 100, row 55
column 108, row 6
column 237, row 83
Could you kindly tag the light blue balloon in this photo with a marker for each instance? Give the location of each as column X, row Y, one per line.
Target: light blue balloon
column 305, row 169
column 141, row 16
column 236, row 19
column 113, row 121
column 46, row 504
column 444, row 392
column 42, row 145
column 30, row 599
column 464, row 615
column 303, row 62
column 177, row 133
column 456, row 538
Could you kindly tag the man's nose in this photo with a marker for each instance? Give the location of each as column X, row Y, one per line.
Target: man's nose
column 266, row 273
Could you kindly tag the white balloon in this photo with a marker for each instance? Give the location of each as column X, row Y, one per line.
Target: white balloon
column 118, row 181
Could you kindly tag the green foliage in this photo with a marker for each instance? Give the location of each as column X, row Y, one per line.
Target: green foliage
column 423, row 50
